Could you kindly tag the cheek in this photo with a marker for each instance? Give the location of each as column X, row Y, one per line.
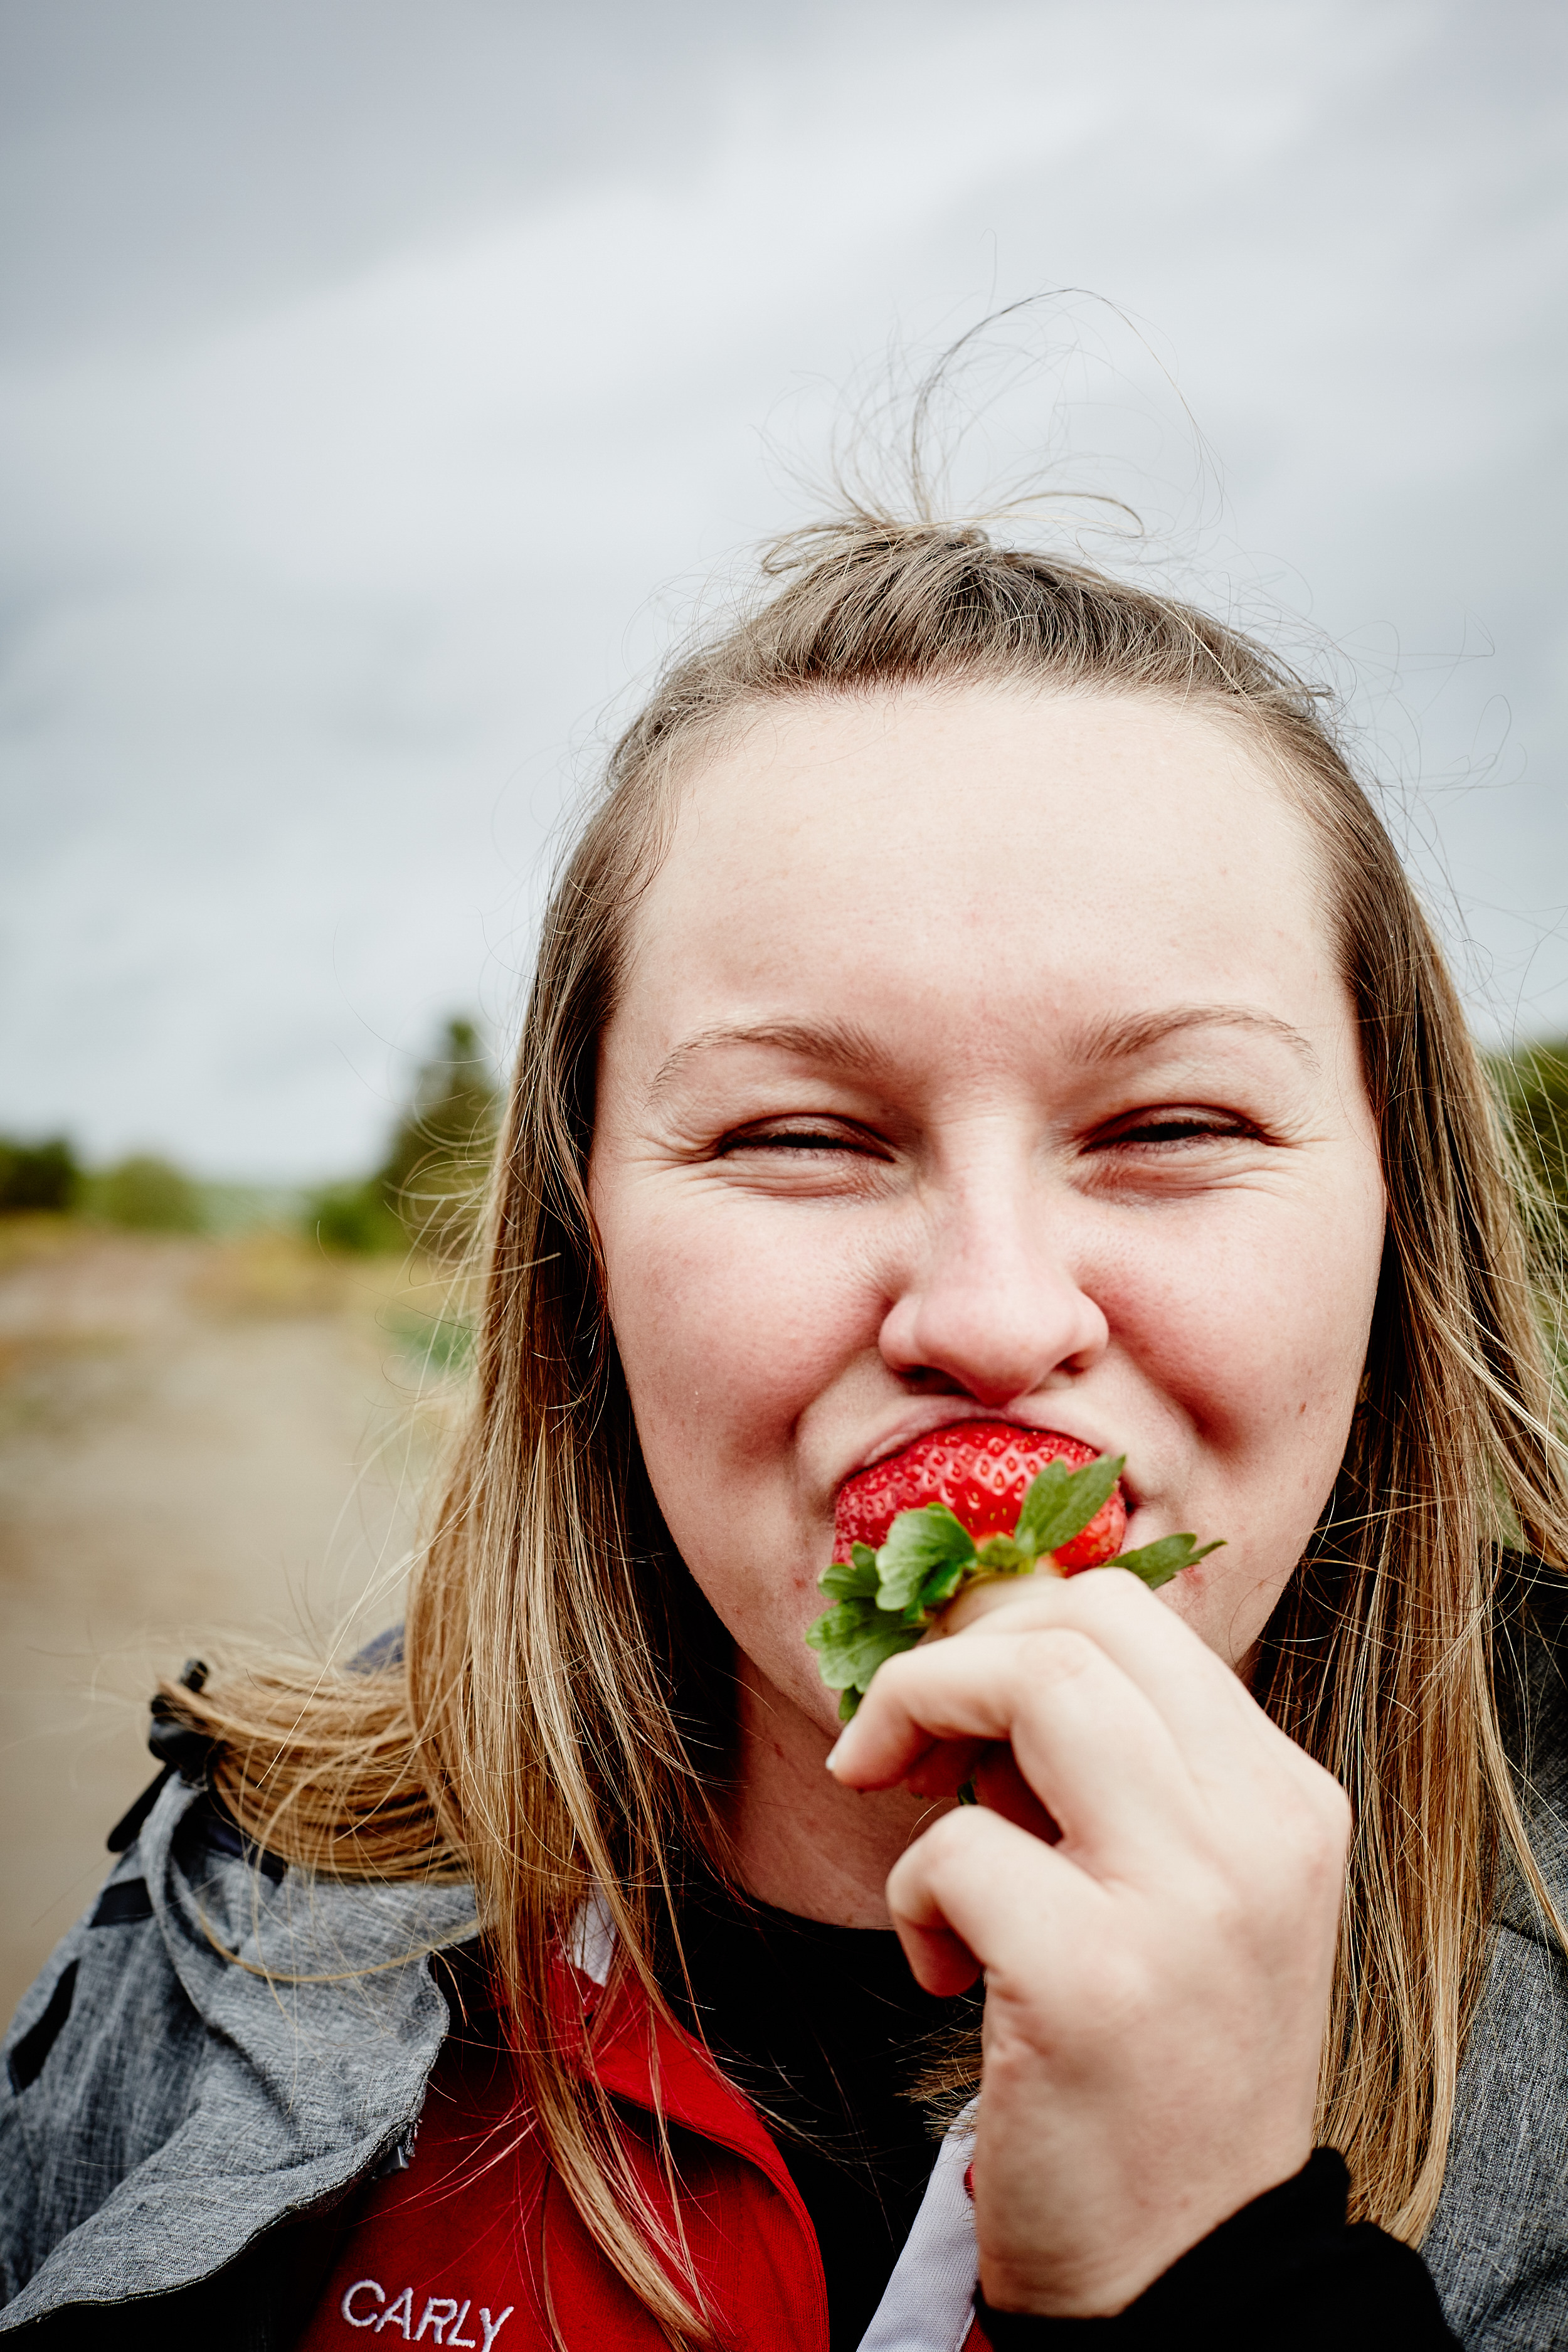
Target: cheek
column 730, row 1325
column 730, row 1331
column 1255, row 1329
column 1258, row 1349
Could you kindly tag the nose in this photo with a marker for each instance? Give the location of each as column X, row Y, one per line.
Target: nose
column 990, row 1306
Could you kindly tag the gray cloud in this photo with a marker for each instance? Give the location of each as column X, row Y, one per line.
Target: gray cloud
column 368, row 372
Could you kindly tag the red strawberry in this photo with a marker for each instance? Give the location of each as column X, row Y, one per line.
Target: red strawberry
column 980, row 1469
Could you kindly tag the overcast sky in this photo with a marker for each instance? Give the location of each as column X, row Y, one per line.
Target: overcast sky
column 380, row 381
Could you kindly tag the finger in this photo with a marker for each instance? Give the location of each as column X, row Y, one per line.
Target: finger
column 943, row 1770
column 999, row 1784
column 976, row 1893
column 940, row 1961
column 946, row 1765
column 1089, row 1745
column 1029, row 1601
column 1209, row 1710
column 984, row 1597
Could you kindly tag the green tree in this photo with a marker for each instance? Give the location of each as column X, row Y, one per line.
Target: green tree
column 353, row 1217
column 434, row 1174
column 428, row 1190
column 1535, row 1088
column 37, row 1175
column 149, row 1195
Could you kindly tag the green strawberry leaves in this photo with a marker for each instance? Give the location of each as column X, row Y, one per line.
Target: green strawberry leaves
column 1061, row 1502
column 851, row 1642
column 854, row 1579
column 1157, row 1563
column 1004, row 1556
column 929, row 1548
column 886, row 1600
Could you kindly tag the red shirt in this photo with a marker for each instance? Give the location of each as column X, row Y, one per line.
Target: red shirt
column 477, row 2241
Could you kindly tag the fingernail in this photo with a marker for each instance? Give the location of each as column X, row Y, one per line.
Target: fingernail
column 827, row 1759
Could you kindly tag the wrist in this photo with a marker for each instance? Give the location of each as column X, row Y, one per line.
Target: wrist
column 1313, row 2194
column 1216, row 2273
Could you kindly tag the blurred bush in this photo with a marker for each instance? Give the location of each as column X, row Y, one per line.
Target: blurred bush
column 434, row 1176
column 353, row 1217
column 428, row 1191
column 38, row 1176
column 232, row 1211
column 147, row 1195
column 1534, row 1084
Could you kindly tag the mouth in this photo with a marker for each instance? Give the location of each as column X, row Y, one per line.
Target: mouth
column 981, row 1471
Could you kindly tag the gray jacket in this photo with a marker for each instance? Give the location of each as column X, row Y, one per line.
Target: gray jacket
column 215, row 2056
column 215, row 2053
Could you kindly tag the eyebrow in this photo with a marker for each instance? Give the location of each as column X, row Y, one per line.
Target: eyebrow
column 842, row 1042
column 847, row 1044
column 1140, row 1033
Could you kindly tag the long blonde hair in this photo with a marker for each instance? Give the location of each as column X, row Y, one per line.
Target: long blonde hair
column 563, row 1722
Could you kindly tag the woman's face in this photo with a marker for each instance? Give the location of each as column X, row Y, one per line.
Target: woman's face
column 982, row 1056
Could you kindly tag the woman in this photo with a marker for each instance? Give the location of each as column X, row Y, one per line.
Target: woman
column 981, row 993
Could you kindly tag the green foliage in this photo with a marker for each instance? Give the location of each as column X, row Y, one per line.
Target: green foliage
column 926, row 1552
column 37, row 1175
column 851, row 1642
column 433, row 1177
column 353, row 1217
column 147, row 1195
column 1534, row 1086
column 1061, row 1502
column 428, row 1191
column 855, row 1579
column 1158, row 1562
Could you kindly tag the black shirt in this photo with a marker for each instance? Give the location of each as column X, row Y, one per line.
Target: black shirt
column 826, row 2031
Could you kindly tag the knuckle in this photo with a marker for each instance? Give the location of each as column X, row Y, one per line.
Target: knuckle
column 1279, row 1883
column 1321, row 1817
column 947, row 1845
column 933, row 1846
column 1115, row 1593
column 1223, row 1907
column 1057, row 1654
column 1125, row 1995
column 905, row 1879
column 1331, row 1824
column 892, row 1675
column 1338, row 1813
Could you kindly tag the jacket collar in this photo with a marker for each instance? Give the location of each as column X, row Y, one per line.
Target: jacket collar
column 652, row 2063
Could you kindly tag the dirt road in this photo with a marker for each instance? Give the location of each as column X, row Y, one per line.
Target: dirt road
column 194, row 1436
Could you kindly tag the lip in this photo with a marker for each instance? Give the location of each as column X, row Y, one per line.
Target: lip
column 950, row 1413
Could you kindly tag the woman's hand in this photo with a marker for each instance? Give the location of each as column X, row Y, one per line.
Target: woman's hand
column 1151, row 1884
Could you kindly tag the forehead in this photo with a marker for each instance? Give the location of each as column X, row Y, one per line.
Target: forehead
column 1001, row 839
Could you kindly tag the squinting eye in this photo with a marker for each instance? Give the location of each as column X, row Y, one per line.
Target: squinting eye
column 1193, row 1128
column 794, row 1138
